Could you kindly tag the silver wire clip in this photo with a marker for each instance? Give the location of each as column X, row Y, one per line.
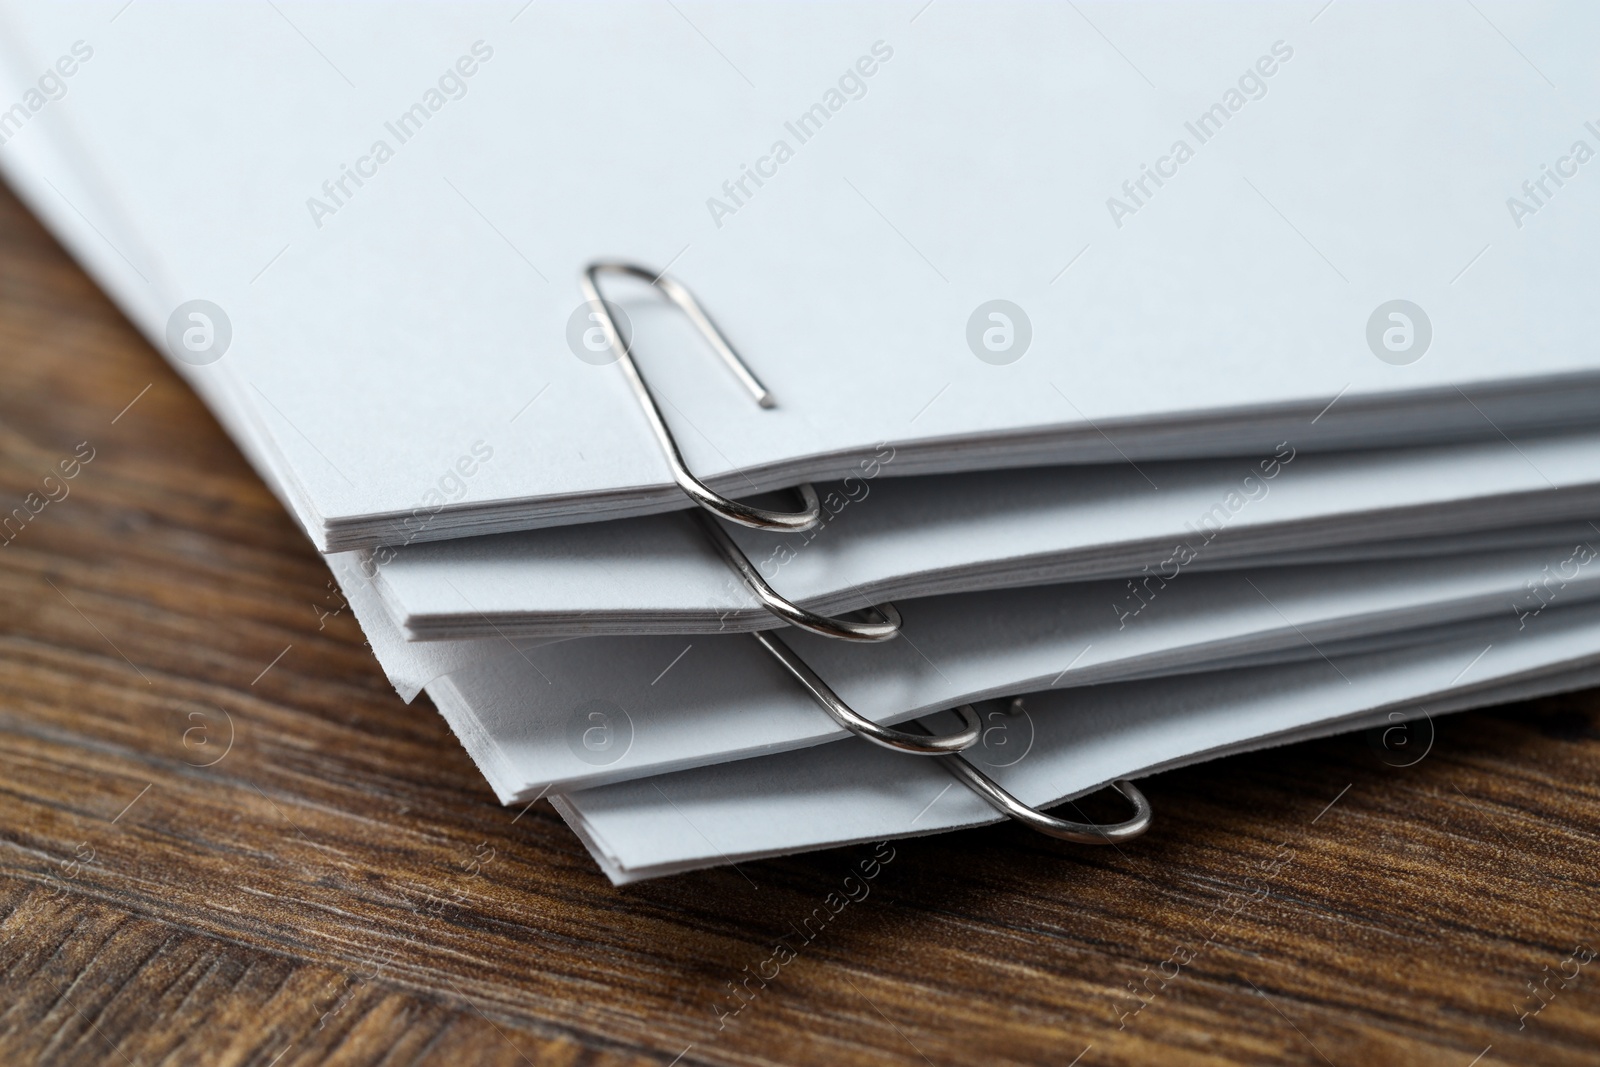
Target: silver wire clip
column 918, row 740
column 715, row 503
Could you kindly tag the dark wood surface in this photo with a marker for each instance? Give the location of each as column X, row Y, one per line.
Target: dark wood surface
column 340, row 886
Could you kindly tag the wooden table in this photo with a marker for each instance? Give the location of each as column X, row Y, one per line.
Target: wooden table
column 224, row 839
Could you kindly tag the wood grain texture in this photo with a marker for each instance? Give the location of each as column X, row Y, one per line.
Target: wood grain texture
column 224, row 840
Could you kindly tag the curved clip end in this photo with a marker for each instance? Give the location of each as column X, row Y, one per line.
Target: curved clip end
column 887, row 626
column 918, row 740
column 702, row 494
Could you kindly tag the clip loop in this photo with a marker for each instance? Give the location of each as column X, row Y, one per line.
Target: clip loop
column 919, row 740
column 788, row 610
column 918, row 744
column 732, row 510
column 702, row 494
column 1081, row 833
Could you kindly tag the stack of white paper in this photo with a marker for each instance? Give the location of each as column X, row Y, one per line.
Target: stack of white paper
column 1217, row 376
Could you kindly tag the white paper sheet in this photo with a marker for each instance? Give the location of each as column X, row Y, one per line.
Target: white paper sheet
column 1163, row 399
column 1429, row 492
column 598, row 710
column 853, row 791
column 411, row 665
column 377, row 345
column 924, row 536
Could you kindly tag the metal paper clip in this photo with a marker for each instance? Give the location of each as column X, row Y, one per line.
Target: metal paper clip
column 921, row 743
column 917, row 740
column 702, row 494
column 1082, row 833
column 699, row 492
